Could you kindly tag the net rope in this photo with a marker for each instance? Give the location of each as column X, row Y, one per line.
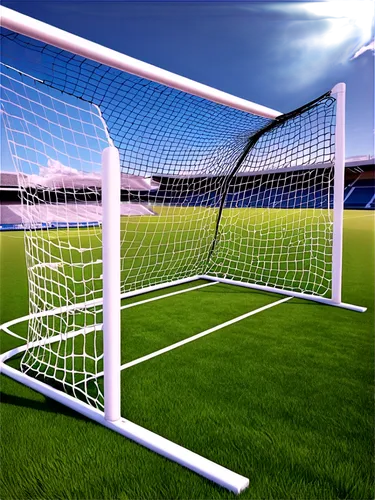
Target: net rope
column 196, row 198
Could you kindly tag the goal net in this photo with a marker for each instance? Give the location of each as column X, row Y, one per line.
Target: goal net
column 207, row 190
column 212, row 187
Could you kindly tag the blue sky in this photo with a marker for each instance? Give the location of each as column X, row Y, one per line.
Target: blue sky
column 279, row 54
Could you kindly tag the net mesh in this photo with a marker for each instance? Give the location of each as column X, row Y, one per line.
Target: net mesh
column 206, row 190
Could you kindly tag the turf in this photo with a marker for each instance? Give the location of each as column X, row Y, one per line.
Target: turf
column 284, row 397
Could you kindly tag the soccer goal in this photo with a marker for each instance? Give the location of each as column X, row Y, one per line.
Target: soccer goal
column 134, row 179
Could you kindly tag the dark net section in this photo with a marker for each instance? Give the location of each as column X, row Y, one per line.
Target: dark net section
column 158, row 130
column 303, row 138
column 198, row 165
column 286, row 183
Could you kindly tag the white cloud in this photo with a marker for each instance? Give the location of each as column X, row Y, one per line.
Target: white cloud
column 365, row 48
column 57, row 175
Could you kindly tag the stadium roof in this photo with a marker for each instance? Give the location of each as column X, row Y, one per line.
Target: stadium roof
column 8, row 179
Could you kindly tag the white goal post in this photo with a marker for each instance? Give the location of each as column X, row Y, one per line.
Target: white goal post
column 134, row 179
column 111, row 283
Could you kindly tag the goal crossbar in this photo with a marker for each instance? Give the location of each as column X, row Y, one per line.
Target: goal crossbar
column 44, row 32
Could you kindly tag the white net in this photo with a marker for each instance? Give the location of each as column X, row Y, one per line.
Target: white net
column 206, row 190
column 283, row 238
column 56, row 143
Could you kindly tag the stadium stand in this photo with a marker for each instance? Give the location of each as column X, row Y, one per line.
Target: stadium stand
column 361, row 192
column 138, row 193
column 57, row 211
column 8, row 216
column 8, row 181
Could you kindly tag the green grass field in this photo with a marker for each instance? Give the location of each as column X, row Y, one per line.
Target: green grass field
column 284, row 397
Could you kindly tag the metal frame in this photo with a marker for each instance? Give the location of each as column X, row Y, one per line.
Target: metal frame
column 111, row 417
column 111, row 256
column 338, row 192
column 290, row 293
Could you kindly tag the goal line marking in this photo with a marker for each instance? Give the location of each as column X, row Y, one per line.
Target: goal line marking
column 202, row 334
column 133, row 304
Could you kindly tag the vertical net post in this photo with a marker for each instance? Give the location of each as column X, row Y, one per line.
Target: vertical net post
column 338, row 192
column 111, row 182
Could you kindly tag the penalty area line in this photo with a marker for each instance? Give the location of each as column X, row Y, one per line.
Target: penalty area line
column 202, row 334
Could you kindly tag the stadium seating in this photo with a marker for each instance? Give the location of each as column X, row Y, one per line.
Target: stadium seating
column 360, row 197
column 61, row 214
column 360, row 194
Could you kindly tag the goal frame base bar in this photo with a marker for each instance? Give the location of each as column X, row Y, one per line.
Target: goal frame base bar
column 206, row 468
column 298, row 295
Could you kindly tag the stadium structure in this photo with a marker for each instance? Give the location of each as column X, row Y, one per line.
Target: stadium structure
column 67, row 195
column 71, row 205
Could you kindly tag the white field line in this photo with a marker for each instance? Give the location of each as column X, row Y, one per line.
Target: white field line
column 14, row 236
column 94, row 302
column 202, row 334
column 69, row 236
column 190, row 339
column 127, row 306
column 4, row 326
column 9, row 332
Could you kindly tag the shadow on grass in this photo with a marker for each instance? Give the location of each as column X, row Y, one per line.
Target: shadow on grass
column 260, row 293
column 48, row 405
column 233, row 289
